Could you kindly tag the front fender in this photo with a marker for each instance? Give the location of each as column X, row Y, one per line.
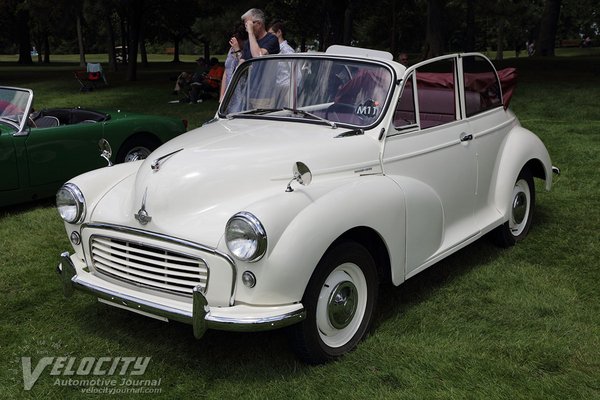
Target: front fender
column 374, row 202
column 94, row 185
column 520, row 148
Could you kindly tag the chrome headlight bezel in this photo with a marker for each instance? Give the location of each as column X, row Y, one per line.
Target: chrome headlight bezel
column 70, row 203
column 246, row 237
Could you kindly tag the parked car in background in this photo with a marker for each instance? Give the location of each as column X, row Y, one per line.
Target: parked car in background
column 41, row 150
column 321, row 175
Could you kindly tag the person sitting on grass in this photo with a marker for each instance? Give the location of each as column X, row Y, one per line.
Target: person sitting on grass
column 210, row 83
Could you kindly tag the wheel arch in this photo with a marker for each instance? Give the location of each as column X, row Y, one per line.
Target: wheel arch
column 375, row 245
column 134, row 138
column 522, row 149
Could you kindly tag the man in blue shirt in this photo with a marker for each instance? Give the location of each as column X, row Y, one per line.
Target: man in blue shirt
column 260, row 42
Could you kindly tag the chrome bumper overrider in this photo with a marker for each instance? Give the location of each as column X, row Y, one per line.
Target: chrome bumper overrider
column 201, row 318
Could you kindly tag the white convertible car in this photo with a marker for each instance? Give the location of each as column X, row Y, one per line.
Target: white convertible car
column 321, row 176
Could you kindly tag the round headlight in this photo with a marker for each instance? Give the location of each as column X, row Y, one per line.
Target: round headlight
column 70, row 203
column 245, row 237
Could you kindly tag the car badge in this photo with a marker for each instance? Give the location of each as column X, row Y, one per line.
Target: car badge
column 156, row 163
column 142, row 215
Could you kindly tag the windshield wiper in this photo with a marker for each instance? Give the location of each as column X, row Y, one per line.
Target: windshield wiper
column 311, row 115
column 252, row 112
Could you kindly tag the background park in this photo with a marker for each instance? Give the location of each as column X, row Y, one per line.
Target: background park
column 488, row 323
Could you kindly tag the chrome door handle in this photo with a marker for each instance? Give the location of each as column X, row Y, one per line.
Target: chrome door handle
column 464, row 137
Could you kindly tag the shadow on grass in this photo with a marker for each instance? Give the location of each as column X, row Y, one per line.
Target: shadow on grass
column 8, row 211
column 249, row 356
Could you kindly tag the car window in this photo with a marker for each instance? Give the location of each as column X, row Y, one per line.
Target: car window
column 482, row 89
column 405, row 114
column 436, row 93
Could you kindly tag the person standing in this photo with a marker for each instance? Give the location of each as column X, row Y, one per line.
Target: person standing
column 260, row 42
column 237, row 41
column 278, row 29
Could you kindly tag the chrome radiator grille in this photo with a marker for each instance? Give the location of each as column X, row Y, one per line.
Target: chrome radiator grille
column 148, row 266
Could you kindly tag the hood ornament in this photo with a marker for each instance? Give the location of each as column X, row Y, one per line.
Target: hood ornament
column 142, row 215
column 156, row 163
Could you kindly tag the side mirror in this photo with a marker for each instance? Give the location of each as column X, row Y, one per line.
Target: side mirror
column 105, row 151
column 302, row 175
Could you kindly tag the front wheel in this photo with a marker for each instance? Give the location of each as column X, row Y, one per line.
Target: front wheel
column 520, row 212
column 339, row 300
column 137, row 148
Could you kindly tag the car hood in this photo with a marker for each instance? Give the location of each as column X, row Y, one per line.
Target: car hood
column 201, row 178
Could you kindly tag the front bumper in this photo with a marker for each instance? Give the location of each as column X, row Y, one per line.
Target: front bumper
column 199, row 314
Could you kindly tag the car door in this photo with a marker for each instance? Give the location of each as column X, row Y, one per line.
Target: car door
column 488, row 120
column 429, row 152
column 57, row 154
column 8, row 161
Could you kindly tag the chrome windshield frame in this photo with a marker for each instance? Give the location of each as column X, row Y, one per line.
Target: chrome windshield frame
column 19, row 125
column 290, row 116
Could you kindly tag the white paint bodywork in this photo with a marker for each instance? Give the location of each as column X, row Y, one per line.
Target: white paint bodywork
column 423, row 193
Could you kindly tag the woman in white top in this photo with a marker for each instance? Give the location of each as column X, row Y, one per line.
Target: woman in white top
column 236, row 42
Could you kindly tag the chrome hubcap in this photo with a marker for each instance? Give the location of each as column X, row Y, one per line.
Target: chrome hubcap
column 342, row 304
column 137, row 153
column 519, row 207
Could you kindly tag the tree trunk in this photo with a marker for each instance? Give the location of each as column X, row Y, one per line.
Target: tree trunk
column 124, row 39
column 207, row 51
column 112, row 56
column 176, row 49
column 80, row 42
column 500, row 40
column 24, row 38
column 434, row 38
column 548, row 27
column 394, row 31
column 348, row 25
column 143, row 52
column 470, row 33
column 46, row 50
column 135, row 21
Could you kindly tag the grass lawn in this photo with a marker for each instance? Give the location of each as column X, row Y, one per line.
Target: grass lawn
column 486, row 323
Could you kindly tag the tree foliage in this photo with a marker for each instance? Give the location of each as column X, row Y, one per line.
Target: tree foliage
column 425, row 27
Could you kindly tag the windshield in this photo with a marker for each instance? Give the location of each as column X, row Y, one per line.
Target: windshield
column 13, row 105
column 328, row 91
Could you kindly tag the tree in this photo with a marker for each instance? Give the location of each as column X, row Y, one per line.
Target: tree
column 22, row 18
column 134, row 10
column 434, row 36
column 175, row 20
column 548, row 28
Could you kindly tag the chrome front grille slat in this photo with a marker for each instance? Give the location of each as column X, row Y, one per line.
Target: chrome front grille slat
column 150, row 266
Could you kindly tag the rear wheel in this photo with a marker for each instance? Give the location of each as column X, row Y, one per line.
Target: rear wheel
column 137, row 148
column 339, row 301
column 520, row 212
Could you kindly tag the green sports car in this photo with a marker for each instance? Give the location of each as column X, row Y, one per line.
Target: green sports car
column 39, row 151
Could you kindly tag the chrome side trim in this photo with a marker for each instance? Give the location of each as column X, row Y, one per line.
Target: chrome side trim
column 173, row 240
column 200, row 317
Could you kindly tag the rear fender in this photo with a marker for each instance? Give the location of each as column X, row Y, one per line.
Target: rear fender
column 521, row 149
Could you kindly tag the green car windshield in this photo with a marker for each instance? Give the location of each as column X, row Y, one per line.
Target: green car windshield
column 14, row 103
column 324, row 90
